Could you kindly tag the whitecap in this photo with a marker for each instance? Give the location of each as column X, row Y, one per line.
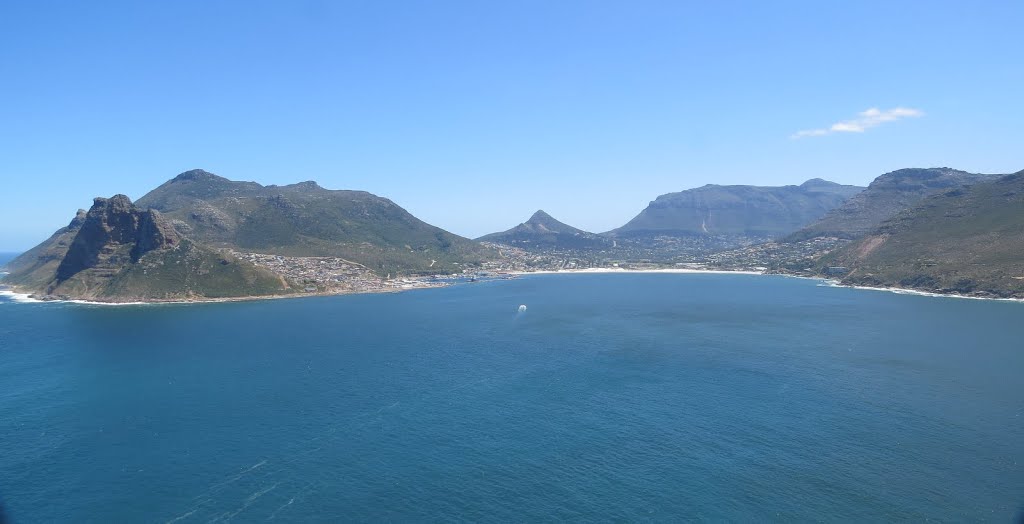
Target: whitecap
column 18, row 297
column 903, row 291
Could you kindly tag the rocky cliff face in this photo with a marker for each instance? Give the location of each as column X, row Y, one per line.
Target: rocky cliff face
column 114, row 232
column 118, row 252
column 967, row 240
column 738, row 210
column 886, row 196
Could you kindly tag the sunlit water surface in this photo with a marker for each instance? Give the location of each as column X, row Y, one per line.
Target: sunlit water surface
column 612, row 397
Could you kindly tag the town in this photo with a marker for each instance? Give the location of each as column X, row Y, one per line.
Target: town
column 333, row 275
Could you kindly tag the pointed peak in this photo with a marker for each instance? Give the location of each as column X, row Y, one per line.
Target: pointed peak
column 543, row 229
column 539, row 216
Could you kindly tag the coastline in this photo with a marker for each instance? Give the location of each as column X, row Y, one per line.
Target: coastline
column 21, row 297
column 824, row 281
column 905, row 291
column 27, row 298
column 615, row 270
column 18, row 297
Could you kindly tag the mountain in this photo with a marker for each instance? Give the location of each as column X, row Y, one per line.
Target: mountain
column 117, row 252
column 738, row 210
column 886, row 196
column 38, row 266
column 305, row 219
column 967, row 240
column 542, row 230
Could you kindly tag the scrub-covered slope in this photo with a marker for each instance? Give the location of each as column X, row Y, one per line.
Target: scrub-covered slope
column 118, row 252
column 307, row 220
column 967, row 240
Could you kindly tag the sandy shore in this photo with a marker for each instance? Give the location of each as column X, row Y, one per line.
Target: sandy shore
column 615, row 270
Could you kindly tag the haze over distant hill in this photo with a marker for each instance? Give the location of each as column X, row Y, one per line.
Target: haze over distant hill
column 967, row 240
column 542, row 230
column 738, row 210
column 884, row 197
column 305, row 219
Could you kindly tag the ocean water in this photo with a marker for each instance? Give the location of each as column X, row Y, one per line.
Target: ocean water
column 633, row 397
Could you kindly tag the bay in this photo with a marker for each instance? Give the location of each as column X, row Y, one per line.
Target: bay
column 612, row 397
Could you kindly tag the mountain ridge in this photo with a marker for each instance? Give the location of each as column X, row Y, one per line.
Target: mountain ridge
column 117, row 251
column 305, row 219
column 966, row 240
column 746, row 210
column 885, row 196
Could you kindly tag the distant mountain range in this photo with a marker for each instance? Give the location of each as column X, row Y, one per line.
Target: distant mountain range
column 542, row 230
column 738, row 210
column 886, row 196
column 967, row 240
column 203, row 236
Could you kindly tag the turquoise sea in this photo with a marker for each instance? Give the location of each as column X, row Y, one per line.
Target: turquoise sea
column 626, row 397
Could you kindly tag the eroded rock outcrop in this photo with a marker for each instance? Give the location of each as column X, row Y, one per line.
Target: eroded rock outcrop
column 118, row 252
column 115, row 232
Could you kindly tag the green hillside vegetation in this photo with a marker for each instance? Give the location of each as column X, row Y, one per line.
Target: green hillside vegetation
column 738, row 210
column 886, row 196
column 967, row 240
column 307, row 220
column 117, row 252
column 191, row 271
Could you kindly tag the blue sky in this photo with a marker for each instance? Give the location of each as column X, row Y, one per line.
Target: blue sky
column 472, row 115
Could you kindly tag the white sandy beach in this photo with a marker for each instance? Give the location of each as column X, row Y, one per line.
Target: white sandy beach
column 611, row 270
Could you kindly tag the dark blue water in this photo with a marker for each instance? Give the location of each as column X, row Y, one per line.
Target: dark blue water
column 613, row 397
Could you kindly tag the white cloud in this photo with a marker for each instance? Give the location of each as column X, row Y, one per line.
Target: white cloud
column 864, row 121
